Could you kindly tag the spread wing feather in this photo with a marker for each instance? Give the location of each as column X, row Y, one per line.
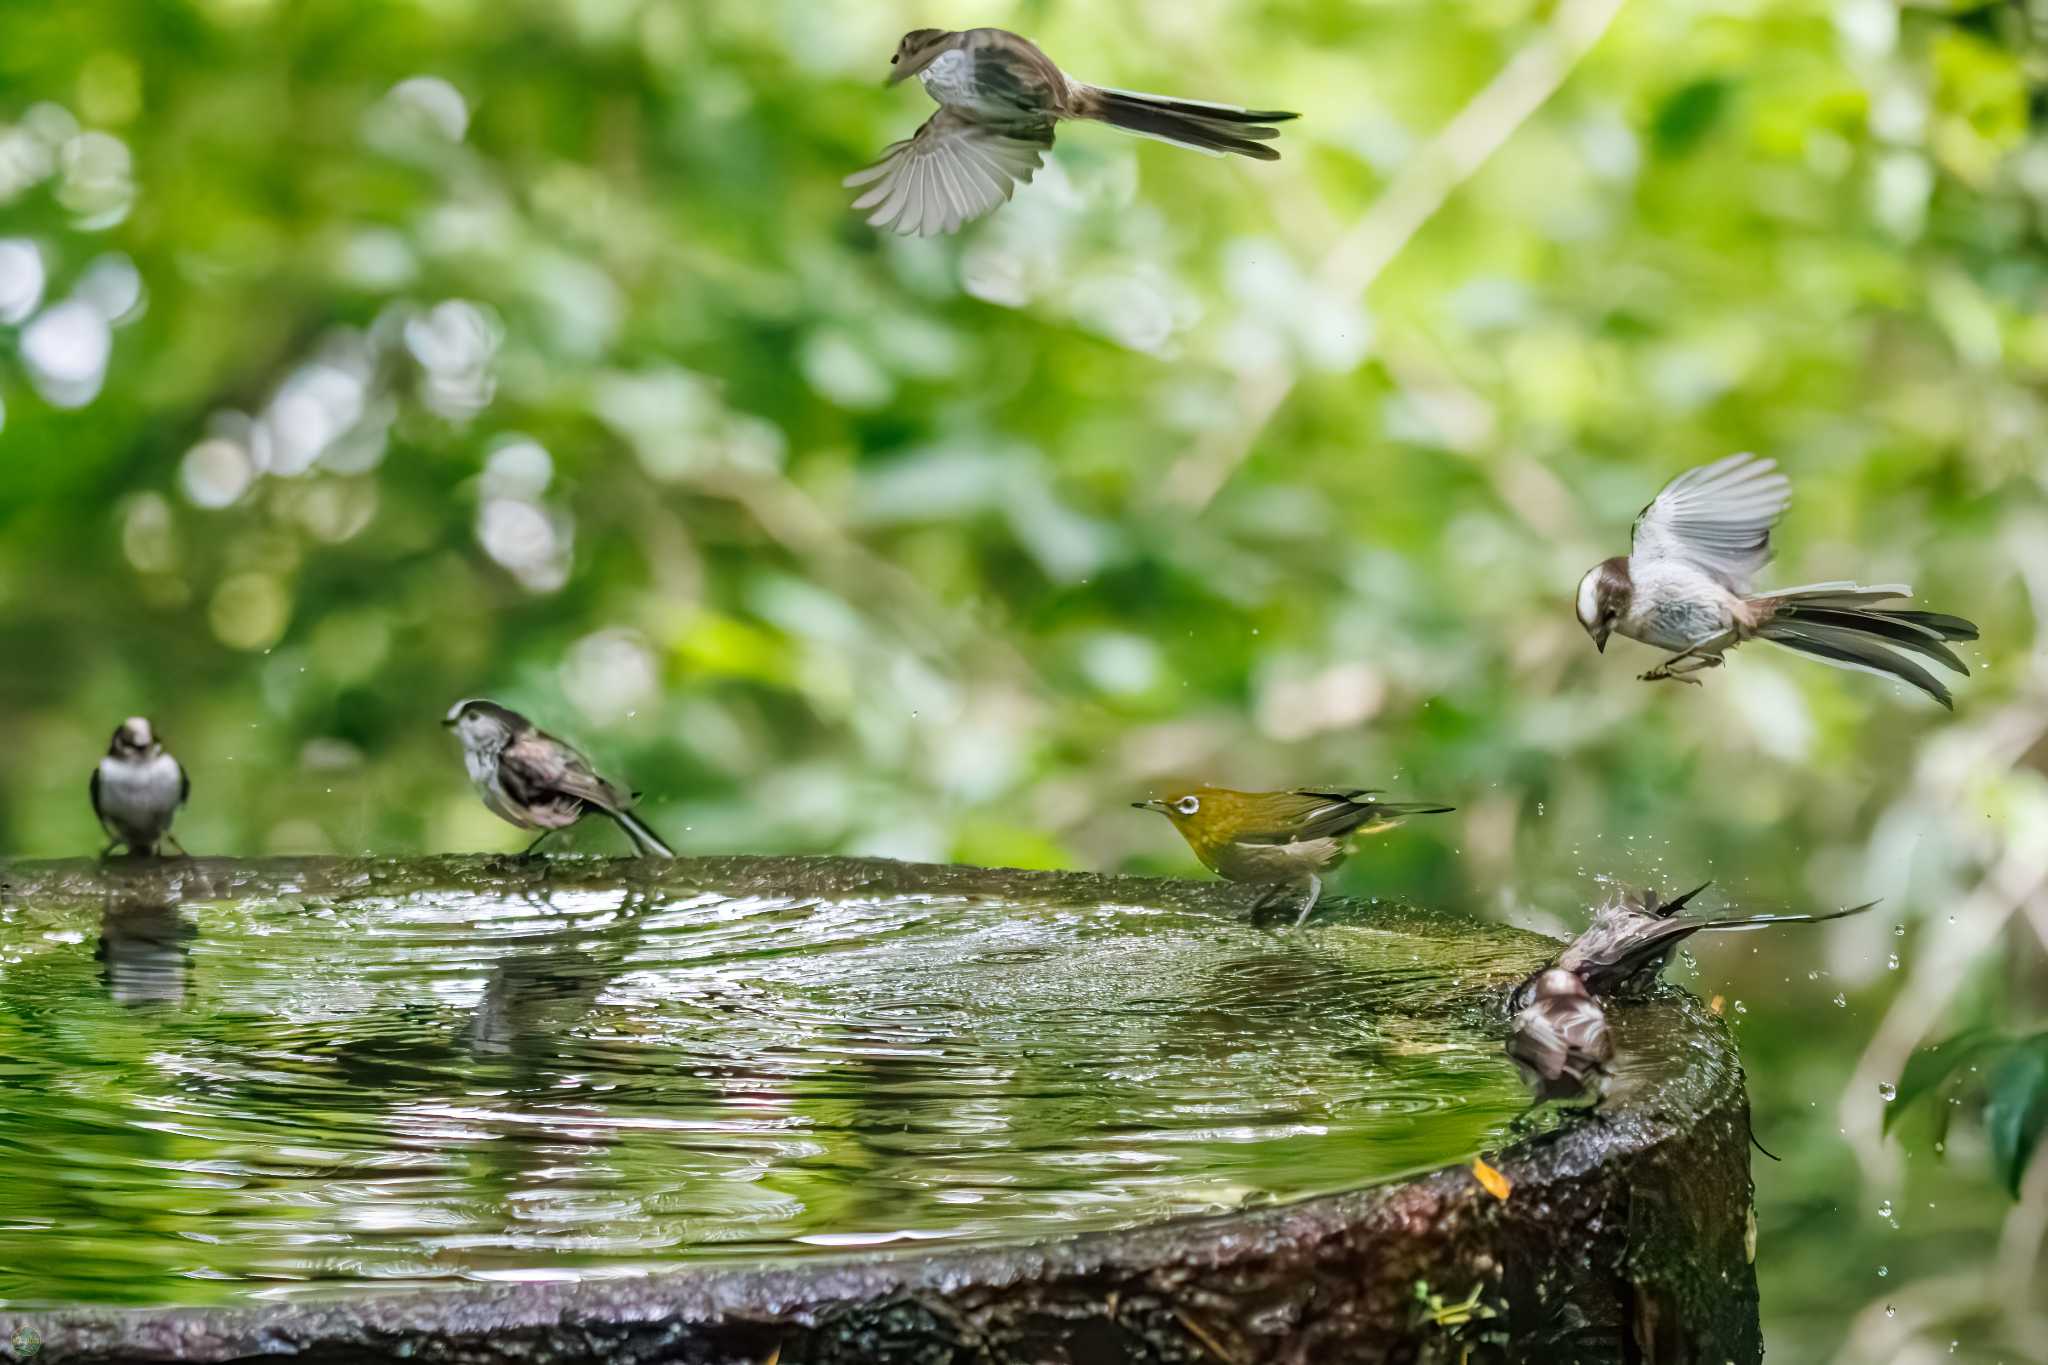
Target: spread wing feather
column 1717, row 517
column 951, row 172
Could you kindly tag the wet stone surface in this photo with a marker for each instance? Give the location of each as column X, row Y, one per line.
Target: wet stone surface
column 839, row 1109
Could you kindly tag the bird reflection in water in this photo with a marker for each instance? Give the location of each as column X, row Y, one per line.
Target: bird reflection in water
column 144, row 951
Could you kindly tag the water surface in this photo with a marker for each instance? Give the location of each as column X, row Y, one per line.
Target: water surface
column 273, row 1094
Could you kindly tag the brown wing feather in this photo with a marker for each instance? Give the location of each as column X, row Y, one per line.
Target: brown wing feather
column 538, row 766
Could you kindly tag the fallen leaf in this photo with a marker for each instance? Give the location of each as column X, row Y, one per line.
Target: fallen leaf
column 1714, row 1005
column 1496, row 1184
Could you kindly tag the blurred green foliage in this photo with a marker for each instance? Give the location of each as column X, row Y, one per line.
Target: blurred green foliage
column 382, row 354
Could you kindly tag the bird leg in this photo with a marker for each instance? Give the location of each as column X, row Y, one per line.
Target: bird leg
column 172, row 840
column 1315, row 893
column 527, row 855
column 1693, row 658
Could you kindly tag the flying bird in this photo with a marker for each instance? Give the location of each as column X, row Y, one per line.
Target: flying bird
column 999, row 99
column 535, row 781
column 1685, row 586
column 1632, row 936
column 1281, row 840
column 137, row 789
column 1560, row 1042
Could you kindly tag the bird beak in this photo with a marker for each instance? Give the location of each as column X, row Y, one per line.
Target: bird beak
column 897, row 77
column 1159, row 806
column 1600, row 637
column 448, row 722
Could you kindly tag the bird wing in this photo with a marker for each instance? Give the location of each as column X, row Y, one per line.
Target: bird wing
column 953, row 171
column 537, row 768
column 1717, row 518
column 1290, row 817
column 94, row 788
column 184, row 783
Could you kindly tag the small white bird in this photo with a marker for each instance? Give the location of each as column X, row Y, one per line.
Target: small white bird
column 1560, row 1043
column 137, row 789
column 535, row 781
column 1685, row 587
column 999, row 98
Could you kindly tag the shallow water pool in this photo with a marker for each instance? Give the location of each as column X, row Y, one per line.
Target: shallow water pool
column 339, row 1075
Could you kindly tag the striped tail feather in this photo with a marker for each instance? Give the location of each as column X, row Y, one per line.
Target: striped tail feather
column 645, row 840
column 1846, row 625
column 1401, row 810
column 1212, row 128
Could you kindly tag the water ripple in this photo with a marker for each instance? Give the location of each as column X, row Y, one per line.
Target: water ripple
column 265, row 1097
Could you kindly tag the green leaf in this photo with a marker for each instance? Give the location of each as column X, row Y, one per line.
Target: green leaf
column 1928, row 1068
column 1688, row 114
column 2017, row 1109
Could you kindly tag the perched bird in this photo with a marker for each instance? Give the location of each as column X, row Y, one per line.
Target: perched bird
column 1632, row 936
column 1559, row 1041
column 137, row 788
column 999, row 98
column 535, row 781
column 1284, row 840
column 1685, row 586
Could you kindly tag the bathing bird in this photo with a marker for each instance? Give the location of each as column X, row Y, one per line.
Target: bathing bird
column 1281, row 840
column 1559, row 1041
column 1685, row 586
column 535, row 781
column 1632, row 935
column 999, row 99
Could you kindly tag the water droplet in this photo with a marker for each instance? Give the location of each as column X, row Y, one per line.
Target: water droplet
column 1841, row 1001
column 1741, row 1008
column 1888, row 1090
column 1892, row 963
column 1884, row 1210
column 1890, row 1311
column 1883, row 1271
column 1898, row 931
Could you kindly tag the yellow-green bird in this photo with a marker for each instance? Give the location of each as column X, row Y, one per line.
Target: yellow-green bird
column 1281, row 840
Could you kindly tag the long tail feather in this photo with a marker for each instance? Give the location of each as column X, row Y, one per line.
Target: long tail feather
column 1664, row 937
column 1848, row 625
column 1400, row 810
column 644, row 839
column 1941, row 623
column 1905, row 634
column 1850, row 649
column 1205, row 127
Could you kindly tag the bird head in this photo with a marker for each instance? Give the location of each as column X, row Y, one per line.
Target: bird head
column 1603, row 597
column 1206, row 817
column 133, row 739
column 916, row 51
column 482, row 724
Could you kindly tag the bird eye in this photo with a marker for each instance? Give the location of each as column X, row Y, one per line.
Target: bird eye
column 1188, row 805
